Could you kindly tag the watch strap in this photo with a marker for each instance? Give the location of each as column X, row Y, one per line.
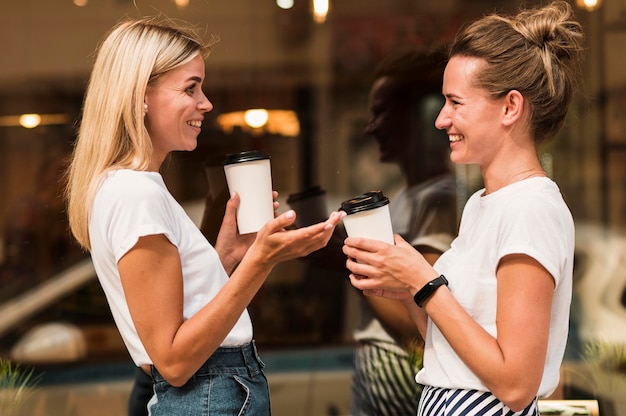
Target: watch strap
column 429, row 288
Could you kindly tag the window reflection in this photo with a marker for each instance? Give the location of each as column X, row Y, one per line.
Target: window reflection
column 321, row 72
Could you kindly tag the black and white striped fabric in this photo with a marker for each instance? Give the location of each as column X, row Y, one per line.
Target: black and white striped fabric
column 437, row 401
column 384, row 381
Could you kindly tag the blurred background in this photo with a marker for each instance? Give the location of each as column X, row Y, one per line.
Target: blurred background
column 309, row 65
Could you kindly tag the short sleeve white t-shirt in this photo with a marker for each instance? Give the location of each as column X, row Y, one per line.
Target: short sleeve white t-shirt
column 527, row 217
column 131, row 204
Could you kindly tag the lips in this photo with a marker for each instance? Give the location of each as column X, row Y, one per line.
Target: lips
column 455, row 138
column 195, row 123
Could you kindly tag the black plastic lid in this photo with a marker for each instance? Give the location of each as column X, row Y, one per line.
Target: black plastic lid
column 247, row 156
column 307, row 193
column 367, row 201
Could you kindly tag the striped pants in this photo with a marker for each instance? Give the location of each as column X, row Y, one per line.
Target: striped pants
column 436, row 401
column 384, row 381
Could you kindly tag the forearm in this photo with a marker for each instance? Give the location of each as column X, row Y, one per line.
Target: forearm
column 418, row 317
column 197, row 338
column 228, row 262
column 395, row 318
column 505, row 375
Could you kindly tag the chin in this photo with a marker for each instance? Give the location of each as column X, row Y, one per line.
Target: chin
column 191, row 146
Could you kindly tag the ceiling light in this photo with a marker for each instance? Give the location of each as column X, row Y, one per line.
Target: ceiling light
column 320, row 10
column 589, row 5
column 256, row 117
column 284, row 4
column 30, row 121
column 33, row 120
column 281, row 122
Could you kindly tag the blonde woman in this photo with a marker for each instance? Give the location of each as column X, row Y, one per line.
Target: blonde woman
column 494, row 308
column 179, row 303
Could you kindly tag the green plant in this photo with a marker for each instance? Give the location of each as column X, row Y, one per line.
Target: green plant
column 606, row 356
column 416, row 353
column 16, row 383
column 606, row 362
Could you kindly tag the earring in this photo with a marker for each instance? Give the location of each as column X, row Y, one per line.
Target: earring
column 145, row 107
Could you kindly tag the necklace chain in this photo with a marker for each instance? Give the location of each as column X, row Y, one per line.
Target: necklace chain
column 530, row 175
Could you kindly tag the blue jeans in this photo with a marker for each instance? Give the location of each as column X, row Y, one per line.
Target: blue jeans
column 231, row 382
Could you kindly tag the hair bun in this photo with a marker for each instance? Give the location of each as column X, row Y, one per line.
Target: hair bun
column 551, row 27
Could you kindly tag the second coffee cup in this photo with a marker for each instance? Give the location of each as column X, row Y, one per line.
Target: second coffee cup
column 368, row 217
column 310, row 206
column 249, row 174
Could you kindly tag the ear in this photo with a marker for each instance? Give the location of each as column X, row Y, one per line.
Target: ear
column 513, row 107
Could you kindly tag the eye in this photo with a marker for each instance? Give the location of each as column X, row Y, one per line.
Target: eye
column 452, row 101
column 191, row 89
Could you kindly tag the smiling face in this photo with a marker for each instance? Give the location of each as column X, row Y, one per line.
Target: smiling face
column 470, row 116
column 175, row 109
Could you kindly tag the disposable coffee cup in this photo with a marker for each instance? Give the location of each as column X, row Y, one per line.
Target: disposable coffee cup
column 368, row 217
column 249, row 174
column 310, row 206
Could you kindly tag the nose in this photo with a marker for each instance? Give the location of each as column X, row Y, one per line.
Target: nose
column 443, row 119
column 369, row 128
column 205, row 105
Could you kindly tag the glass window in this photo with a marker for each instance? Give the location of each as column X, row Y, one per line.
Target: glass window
column 313, row 74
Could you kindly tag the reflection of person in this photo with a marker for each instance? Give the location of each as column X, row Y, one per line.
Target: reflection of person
column 179, row 303
column 496, row 331
column 402, row 101
column 36, row 240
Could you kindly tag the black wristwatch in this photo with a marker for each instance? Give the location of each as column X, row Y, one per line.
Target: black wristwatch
column 429, row 288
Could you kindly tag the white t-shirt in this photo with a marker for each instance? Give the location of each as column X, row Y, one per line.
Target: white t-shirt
column 527, row 217
column 131, row 204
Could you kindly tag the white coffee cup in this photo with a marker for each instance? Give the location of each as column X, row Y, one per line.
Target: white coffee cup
column 310, row 206
column 249, row 174
column 368, row 217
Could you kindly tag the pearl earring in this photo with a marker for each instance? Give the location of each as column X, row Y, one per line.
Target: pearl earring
column 145, row 107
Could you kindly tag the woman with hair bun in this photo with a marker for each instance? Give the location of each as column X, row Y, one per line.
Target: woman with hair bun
column 494, row 308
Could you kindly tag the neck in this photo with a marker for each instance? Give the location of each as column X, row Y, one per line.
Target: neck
column 512, row 175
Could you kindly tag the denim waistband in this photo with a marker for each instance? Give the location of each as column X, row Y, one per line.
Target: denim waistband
column 243, row 359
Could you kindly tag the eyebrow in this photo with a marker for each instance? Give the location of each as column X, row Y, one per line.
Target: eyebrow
column 451, row 96
column 194, row 78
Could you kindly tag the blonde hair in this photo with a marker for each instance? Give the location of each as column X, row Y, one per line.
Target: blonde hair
column 112, row 134
column 535, row 53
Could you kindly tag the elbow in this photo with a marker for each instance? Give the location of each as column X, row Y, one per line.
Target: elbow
column 175, row 375
column 519, row 405
column 517, row 399
column 177, row 381
column 517, row 390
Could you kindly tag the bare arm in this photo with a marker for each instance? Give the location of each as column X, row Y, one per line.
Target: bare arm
column 396, row 318
column 511, row 365
column 178, row 347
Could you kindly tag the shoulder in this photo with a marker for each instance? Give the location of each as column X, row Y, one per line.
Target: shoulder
column 434, row 191
column 126, row 183
column 538, row 196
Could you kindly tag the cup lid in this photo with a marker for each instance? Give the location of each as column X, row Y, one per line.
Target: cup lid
column 246, row 156
column 364, row 202
column 307, row 193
